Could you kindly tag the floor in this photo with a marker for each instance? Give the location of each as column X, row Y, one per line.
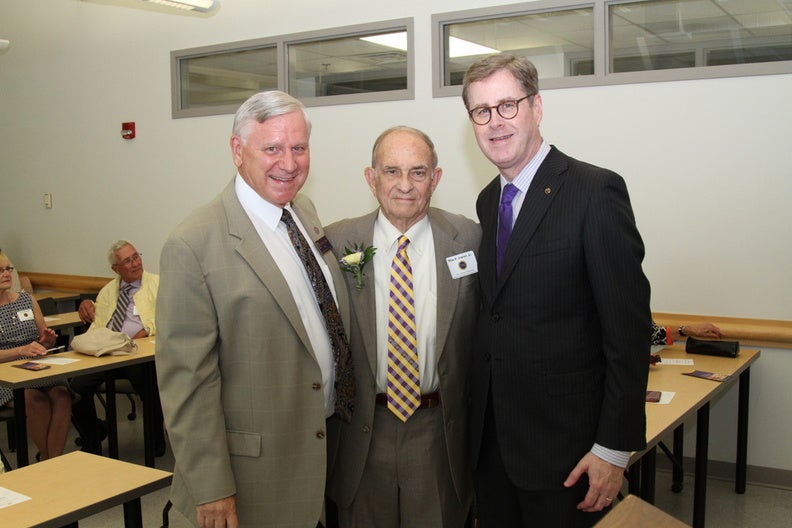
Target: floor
column 760, row 506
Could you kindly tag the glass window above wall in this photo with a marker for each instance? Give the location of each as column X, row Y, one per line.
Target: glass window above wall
column 692, row 33
column 363, row 64
column 217, row 82
column 554, row 41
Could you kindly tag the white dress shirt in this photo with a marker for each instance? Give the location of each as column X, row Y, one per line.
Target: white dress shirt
column 422, row 261
column 266, row 219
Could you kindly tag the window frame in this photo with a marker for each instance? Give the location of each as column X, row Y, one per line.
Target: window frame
column 602, row 51
column 281, row 43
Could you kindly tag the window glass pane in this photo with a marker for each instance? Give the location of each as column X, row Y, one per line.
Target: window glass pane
column 373, row 62
column 557, row 42
column 686, row 33
column 227, row 78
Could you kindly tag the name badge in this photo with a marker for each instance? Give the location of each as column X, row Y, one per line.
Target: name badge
column 134, row 310
column 462, row 265
column 25, row 315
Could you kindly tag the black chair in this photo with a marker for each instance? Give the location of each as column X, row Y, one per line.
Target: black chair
column 7, row 416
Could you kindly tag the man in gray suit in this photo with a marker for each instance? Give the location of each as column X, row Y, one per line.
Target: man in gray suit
column 250, row 367
column 395, row 467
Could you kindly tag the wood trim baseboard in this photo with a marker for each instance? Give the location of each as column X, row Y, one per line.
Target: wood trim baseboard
column 70, row 283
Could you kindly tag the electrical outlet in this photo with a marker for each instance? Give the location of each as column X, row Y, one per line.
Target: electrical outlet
column 48, row 201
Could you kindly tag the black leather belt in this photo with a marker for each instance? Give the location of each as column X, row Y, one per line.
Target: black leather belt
column 427, row 400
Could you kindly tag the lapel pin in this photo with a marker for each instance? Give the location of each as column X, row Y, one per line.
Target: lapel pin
column 548, row 190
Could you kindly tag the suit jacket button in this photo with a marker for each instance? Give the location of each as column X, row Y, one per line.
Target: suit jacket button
column 320, row 434
column 316, row 386
column 366, row 429
column 487, row 356
column 495, row 318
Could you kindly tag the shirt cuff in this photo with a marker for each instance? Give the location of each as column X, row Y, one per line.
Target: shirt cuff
column 617, row 458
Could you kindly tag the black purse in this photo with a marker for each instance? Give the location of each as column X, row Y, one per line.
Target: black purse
column 712, row 348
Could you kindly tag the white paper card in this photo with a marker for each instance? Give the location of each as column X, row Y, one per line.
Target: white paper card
column 462, row 265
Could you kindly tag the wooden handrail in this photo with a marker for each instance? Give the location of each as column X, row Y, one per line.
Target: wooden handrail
column 71, row 283
column 755, row 332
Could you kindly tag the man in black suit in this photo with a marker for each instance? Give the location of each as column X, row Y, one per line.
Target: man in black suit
column 560, row 362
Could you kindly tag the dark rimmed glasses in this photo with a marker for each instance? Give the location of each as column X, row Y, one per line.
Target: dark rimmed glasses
column 481, row 115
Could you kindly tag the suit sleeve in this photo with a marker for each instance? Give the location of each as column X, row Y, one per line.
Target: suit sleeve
column 188, row 373
column 614, row 251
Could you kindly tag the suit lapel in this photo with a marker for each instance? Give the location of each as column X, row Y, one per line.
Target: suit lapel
column 445, row 245
column 364, row 302
column 544, row 187
column 255, row 253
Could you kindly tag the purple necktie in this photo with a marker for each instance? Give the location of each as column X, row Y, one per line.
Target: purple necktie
column 504, row 222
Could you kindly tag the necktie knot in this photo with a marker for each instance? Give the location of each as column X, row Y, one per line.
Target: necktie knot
column 403, row 243
column 509, row 192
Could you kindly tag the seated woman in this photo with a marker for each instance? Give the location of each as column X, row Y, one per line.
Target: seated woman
column 664, row 335
column 23, row 334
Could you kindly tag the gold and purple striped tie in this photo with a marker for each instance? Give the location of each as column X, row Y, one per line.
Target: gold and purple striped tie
column 404, row 386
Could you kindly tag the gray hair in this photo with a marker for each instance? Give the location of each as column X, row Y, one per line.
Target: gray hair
column 522, row 69
column 115, row 247
column 265, row 105
column 402, row 128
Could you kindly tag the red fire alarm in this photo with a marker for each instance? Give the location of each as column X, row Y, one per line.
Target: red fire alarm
column 128, row 130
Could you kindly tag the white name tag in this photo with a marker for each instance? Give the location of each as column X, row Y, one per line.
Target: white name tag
column 134, row 310
column 25, row 315
column 462, row 265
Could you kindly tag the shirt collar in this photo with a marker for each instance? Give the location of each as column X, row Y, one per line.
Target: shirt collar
column 255, row 206
column 417, row 233
column 523, row 180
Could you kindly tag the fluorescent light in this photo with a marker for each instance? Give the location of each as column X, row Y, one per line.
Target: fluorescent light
column 464, row 48
column 392, row 40
column 203, row 6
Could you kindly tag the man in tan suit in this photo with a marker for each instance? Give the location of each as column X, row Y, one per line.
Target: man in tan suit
column 245, row 363
column 395, row 471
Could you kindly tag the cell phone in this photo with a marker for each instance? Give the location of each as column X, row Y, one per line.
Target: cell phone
column 653, row 396
column 32, row 365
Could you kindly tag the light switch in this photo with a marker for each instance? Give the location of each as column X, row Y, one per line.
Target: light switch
column 48, row 201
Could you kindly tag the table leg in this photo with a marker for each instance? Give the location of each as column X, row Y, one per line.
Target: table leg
column 112, row 425
column 648, row 465
column 702, row 452
column 634, row 478
column 20, row 423
column 742, row 431
column 678, row 473
column 148, row 412
column 133, row 516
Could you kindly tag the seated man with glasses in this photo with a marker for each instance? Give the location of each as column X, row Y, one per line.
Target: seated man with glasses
column 126, row 304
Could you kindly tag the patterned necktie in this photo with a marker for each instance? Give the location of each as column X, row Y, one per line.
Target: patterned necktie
column 117, row 321
column 404, row 386
column 345, row 381
column 504, row 222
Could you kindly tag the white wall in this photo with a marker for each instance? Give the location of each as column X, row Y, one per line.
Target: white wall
column 707, row 162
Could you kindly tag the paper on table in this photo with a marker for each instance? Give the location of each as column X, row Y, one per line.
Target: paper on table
column 665, row 397
column 56, row 361
column 677, row 361
column 9, row 498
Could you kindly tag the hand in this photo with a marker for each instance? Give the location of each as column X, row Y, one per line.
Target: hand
column 218, row 514
column 48, row 337
column 33, row 349
column 703, row 330
column 87, row 311
column 605, row 482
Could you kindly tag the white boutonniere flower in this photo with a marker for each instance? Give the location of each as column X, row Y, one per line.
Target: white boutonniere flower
column 354, row 259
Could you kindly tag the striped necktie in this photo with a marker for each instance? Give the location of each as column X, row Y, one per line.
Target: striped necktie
column 117, row 321
column 404, row 386
column 344, row 375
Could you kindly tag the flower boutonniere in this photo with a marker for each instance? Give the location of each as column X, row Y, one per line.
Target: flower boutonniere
column 354, row 259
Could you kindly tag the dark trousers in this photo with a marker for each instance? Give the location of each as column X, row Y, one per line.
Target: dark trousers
column 500, row 503
column 84, row 409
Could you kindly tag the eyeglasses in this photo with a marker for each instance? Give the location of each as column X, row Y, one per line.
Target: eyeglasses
column 481, row 115
column 129, row 260
column 9, row 269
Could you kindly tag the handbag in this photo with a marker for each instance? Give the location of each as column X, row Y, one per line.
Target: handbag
column 102, row 342
column 712, row 348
